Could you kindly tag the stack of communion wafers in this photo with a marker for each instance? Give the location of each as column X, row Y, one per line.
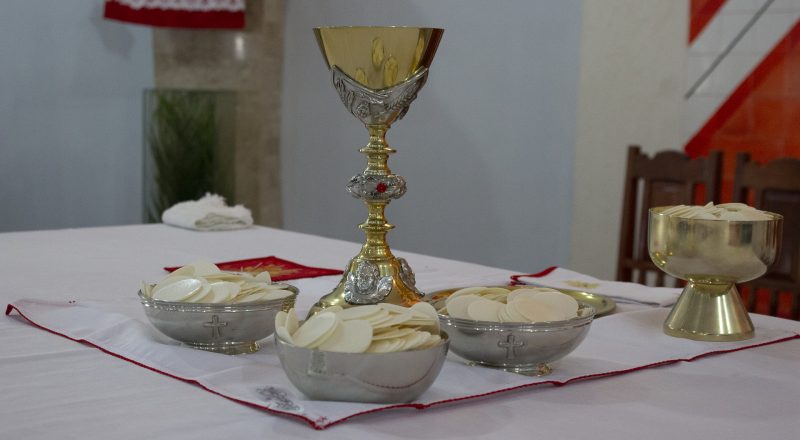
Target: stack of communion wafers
column 375, row 328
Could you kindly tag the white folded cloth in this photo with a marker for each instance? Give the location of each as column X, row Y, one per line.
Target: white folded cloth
column 209, row 213
column 619, row 291
column 616, row 344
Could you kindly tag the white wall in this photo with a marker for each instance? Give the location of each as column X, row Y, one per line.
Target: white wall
column 70, row 115
column 487, row 147
column 632, row 81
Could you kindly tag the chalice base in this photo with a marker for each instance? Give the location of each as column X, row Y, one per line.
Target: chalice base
column 394, row 274
column 709, row 312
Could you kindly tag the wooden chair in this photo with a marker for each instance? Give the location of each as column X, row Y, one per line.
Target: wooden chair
column 668, row 178
column 774, row 187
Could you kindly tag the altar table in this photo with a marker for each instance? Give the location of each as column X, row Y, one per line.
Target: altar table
column 52, row 387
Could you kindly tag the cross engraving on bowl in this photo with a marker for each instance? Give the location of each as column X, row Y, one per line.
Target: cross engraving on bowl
column 510, row 344
column 215, row 325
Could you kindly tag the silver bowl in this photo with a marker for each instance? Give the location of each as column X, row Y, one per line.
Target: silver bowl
column 396, row 377
column 221, row 328
column 525, row 348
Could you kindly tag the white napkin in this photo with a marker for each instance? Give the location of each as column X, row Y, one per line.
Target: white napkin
column 619, row 291
column 615, row 345
column 210, row 213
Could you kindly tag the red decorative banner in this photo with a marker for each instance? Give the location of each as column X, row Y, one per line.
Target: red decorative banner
column 759, row 116
column 279, row 269
column 700, row 13
column 197, row 14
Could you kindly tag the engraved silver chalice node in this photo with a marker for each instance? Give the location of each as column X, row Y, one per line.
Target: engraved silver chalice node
column 377, row 72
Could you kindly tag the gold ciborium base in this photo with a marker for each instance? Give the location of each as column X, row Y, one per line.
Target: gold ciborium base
column 372, row 280
column 709, row 312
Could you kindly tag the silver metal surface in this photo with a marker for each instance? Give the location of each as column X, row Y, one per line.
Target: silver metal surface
column 712, row 255
column 378, row 106
column 364, row 285
column 221, row 328
column 525, row 348
column 395, row 377
column 375, row 187
column 407, row 276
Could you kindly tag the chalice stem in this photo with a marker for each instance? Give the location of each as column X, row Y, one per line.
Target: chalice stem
column 376, row 227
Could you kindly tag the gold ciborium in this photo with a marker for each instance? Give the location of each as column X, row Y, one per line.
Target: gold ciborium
column 712, row 255
column 377, row 72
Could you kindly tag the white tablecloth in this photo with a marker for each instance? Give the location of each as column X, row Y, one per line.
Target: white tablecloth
column 51, row 387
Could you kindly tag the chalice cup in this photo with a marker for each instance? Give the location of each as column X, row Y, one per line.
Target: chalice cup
column 377, row 72
column 712, row 256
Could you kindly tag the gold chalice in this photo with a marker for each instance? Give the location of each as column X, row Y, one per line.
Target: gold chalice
column 377, row 72
column 712, row 255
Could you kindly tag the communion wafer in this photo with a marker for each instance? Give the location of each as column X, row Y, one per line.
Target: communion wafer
column 425, row 309
column 363, row 329
column 177, row 289
column 512, row 314
column 484, row 310
column 292, row 323
column 723, row 211
column 386, row 346
column 535, row 311
column 466, row 291
column 280, row 319
column 415, row 340
column 528, row 292
column 395, row 320
column 274, row 294
column 362, row 312
column 458, row 307
column 353, row 336
column 224, row 291
column 284, row 334
column 564, row 304
column 316, row 330
column 393, row 333
column 525, row 305
column 203, row 282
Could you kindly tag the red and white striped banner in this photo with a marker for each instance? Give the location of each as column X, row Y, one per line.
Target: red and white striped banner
column 743, row 80
column 209, row 14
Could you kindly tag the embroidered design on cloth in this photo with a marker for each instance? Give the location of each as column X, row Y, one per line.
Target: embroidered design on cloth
column 582, row 284
column 278, row 398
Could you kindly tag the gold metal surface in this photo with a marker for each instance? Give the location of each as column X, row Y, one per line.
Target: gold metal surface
column 377, row 72
column 712, row 255
column 601, row 304
column 378, row 57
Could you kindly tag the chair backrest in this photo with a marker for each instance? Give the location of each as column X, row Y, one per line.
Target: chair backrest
column 774, row 187
column 668, row 178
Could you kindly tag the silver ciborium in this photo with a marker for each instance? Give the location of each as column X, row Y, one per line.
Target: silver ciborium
column 377, row 72
column 712, row 256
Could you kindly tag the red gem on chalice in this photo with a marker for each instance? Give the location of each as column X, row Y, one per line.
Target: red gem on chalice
column 380, row 187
